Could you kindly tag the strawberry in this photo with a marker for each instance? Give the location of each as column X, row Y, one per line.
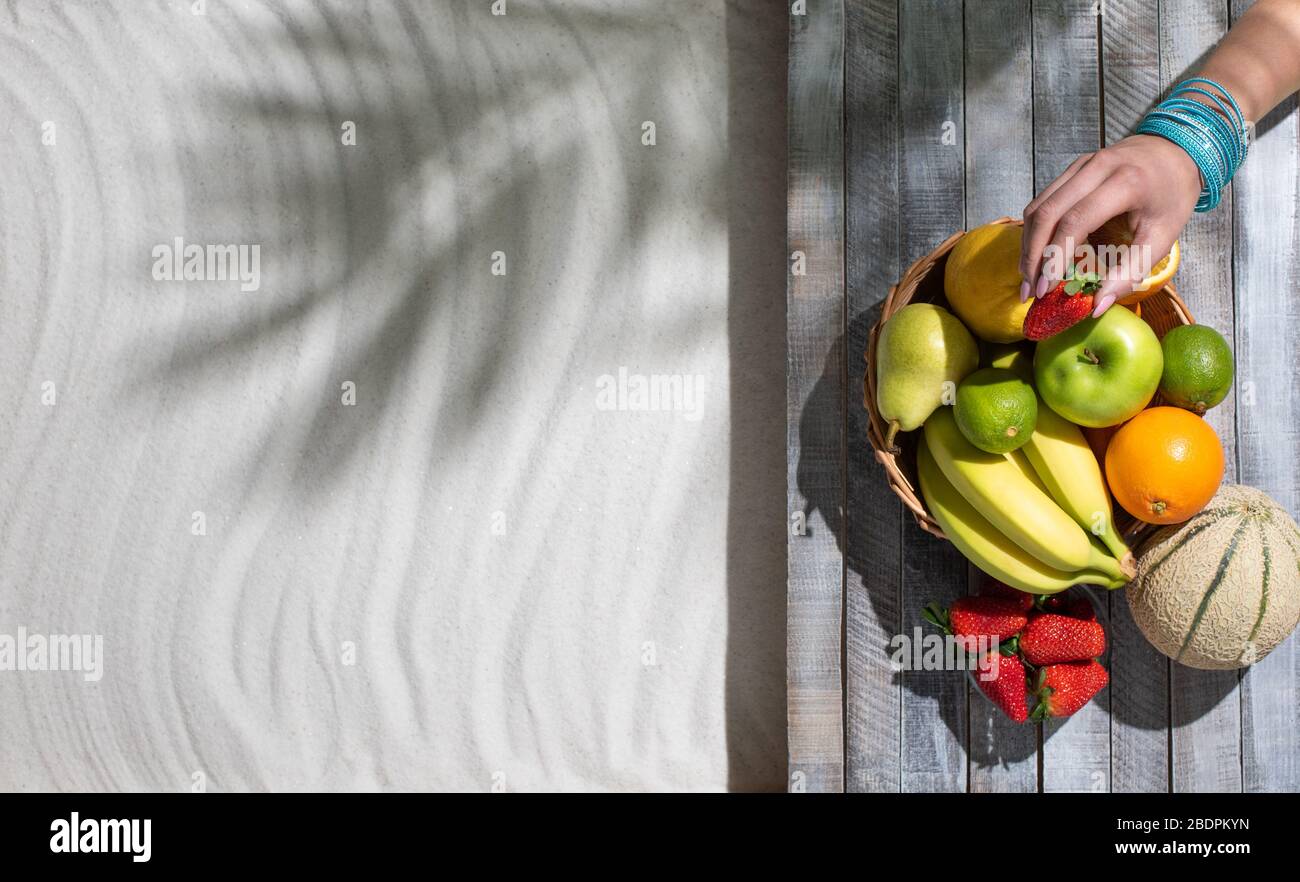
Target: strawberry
column 1073, row 605
column 1069, row 303
column 1008, row 689
column 994, row 588
column 1050, row 638
column 969, row 618
column 1063, row 688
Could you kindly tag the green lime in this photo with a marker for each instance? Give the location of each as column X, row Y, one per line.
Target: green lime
column 1015, row 357
column 996, row 410
column 1198, row 367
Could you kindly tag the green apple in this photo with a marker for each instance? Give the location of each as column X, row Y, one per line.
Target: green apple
column 1101, row 371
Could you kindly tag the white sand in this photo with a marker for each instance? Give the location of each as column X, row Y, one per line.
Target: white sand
column 514, row 656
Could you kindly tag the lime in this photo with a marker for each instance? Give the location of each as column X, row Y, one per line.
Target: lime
column 1198, row 367
column 996, row 410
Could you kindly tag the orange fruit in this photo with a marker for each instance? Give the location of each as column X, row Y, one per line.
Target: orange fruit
column 1099, row 440
column 1164, row 465
column 1116, row 232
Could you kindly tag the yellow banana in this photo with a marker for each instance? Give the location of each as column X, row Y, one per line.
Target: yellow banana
column 1062, row 459
column 1016, row 505
column 987, row 548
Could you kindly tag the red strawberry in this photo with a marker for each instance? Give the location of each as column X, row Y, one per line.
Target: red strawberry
column 994, row 588
column 1069, row 303
column 1064, row 688
column 1050, row 638
column 995, row 617
column 1072, row 605
column 969, row 618
column 1008, row 689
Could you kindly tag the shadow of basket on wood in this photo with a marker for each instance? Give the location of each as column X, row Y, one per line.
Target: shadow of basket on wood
column 923, row 283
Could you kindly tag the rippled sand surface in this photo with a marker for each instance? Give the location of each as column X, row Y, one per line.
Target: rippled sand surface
column 474, row 575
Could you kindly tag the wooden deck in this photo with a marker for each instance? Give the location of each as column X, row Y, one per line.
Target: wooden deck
column 910, row 119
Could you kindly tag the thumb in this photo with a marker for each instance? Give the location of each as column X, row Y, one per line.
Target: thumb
column 1135, row 262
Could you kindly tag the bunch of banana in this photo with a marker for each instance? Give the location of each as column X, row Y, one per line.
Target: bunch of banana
column 1039, row 518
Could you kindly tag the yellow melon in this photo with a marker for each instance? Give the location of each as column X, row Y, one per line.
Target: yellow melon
column 1221, row 590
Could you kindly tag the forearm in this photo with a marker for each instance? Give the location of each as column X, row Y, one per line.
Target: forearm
column 1259, row 60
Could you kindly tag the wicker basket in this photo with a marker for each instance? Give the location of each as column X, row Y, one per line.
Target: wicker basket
column 923, row 283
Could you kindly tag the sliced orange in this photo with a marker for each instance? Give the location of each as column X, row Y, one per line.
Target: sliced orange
column 1116, row 232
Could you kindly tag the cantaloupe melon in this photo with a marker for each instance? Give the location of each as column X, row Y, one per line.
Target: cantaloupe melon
column 1223, row 589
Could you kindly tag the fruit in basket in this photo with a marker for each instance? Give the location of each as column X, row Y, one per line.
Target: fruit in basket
column 1164, row 465
column 922, row 354
column 1063, row 460
column 1067, row 304
column 1222, row 590
column 995, row 410
column 1051, row 638
column 1198, row 367
column 1016, row 505
column 1015, row 357
column 1101, row 371
column 1115, row 232
column 1062, row 689
column 1099, row 440
column 985, row 546
column 1007, row 688
column 981, row 280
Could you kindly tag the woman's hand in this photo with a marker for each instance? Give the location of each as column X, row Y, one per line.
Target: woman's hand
column 1150, row 180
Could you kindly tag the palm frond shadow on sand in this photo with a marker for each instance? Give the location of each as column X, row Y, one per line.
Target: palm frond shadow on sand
column 406, row 216
column 410, row 226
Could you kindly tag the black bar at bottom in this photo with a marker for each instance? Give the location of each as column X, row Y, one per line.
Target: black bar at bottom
column 333, row 831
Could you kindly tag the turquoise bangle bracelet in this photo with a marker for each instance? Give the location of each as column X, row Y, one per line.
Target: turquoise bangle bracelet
column 1215, row 137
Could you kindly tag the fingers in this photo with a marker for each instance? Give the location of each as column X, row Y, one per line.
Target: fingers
column 1150, row 245
column 1028, row 268
column 1104, row 302
column 1041, row 219
column 1116, row 195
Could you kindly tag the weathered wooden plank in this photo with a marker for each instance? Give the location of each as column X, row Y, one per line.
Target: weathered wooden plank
column 931, row 207
column 873, row 521
column 1067, row 122
column 815, row 423
column 1266, row 247
column 1139, row 688
column 1204, row 706
column 999, row 181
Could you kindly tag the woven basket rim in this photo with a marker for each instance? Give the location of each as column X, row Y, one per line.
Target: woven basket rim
column 898, row 471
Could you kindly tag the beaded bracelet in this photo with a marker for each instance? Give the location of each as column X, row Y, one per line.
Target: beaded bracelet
column 1216, row 141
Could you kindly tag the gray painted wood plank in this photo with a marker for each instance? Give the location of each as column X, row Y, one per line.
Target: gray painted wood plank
column 872, row 538
column 1266, row 251
column 999, row 162
column 1139, row 689
column 931, row 208
column 815, row 402
column 1204, row 706
column 1067, row 122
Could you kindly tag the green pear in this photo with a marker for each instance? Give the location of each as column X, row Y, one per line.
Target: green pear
column 923, row 352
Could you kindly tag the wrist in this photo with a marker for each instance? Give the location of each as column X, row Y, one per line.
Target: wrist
column 1203, row 118
column 1183, row 171
column 1245, row 111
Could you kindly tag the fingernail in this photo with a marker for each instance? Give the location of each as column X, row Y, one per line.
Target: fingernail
column 1024, row 291
column 1043, row 283
column 1103, row 304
